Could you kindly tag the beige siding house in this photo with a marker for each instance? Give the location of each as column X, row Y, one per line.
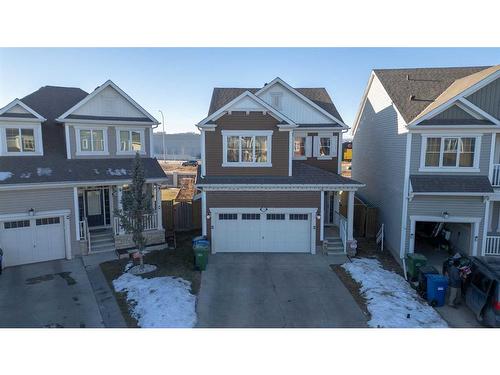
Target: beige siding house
column 426, row 144
column 269, row 178
column 65, row 160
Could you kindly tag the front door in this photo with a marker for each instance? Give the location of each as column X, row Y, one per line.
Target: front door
column 95, row 207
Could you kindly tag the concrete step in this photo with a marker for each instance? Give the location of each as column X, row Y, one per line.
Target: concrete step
column 102, row 246
column 335, row 252
column 97, row 240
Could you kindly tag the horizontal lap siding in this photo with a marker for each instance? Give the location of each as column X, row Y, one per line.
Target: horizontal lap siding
column 21, row 201
column 241, row 121
column 378, row 160
column 454, row 206
column 269, row 199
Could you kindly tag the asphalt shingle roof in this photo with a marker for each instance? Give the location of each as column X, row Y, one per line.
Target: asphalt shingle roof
column 302, row 174
column 424, row 84
column 223, row 95
column 51, row 102
column 450, row 184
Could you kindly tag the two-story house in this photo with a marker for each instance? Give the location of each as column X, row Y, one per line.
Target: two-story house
column 65, row 160
column 270, row 173
column 426, row 145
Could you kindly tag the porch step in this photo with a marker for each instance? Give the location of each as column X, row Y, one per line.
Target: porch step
column 102, row 240
column 333, row 245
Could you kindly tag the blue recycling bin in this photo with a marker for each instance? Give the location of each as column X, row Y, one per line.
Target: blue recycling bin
column 436, row 289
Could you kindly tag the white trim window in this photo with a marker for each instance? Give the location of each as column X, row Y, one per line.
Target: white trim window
column 21, row 140
column 277, row 100
column 445, row 152
column 302, row 146
column 246, row 148
column 92, row 141
column 325, row 146
column 130, row 141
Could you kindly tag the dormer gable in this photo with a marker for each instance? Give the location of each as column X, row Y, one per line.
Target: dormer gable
column 16, row 110
column 107, row 103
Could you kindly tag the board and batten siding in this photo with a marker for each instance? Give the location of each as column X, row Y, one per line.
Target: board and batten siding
column 111, row 131
column 242, row 121
column 21, row 201
column 268, row 199
column 457, row 206
column 484, row 158
column 379, row 149
column 488, row 98
column 453, row 113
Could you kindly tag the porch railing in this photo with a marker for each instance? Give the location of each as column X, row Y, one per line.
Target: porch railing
column 83, row 230
column 495, row 180
column 492, row 245
column 342, row 220
column 150, row 223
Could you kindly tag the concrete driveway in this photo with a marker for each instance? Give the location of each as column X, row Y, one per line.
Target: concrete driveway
column 275, row 290
column 48, row 294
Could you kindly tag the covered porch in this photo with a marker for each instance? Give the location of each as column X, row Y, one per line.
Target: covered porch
column 337, row 217
column 492, row 241
column 99, row 229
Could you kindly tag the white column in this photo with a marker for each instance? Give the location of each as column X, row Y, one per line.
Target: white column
column 158, row 207
column 322, row 216
column 290, row 152
column 350, row 215
column 498, row 223
column 76, row 208
column 203, row 213
column 202, row 145
column 119, row 190
column 490, row 216
column 336, row 205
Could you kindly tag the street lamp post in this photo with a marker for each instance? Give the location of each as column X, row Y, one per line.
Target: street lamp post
column 163, row 137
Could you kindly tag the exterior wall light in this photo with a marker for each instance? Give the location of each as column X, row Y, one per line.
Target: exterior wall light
column 446, row 215
column 318, row 217
column 31, row 212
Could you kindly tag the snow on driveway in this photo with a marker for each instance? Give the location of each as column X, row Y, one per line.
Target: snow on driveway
column 391, row 300
column 160, row 302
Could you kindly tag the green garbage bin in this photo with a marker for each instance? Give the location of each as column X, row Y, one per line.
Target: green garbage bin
column 201, row 252
column 413, row 264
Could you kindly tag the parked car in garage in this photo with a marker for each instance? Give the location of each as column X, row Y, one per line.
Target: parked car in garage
column 482, row 295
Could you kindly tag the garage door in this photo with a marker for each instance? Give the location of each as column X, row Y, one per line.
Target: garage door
column 276, row 232
column 33, row 240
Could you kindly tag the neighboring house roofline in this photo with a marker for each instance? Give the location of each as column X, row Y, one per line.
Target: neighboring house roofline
column 38, row 117
column 448, row 97
column 108, row 83
column 303, row 97
column 223, row 109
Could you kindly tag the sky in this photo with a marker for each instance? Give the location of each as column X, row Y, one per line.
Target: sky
column 179, row 81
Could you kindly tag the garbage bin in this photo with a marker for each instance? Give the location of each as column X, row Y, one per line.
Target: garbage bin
column 415, row 261
column 423, row 272
column 436, row 289
column 198, row 238
column 201, row 250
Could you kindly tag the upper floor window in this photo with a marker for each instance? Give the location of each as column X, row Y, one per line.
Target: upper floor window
column 130, row 141
column 92, row 141
column 450, row 152
column 299, row 147
column 21, row 140
column 247, row 149
column 325, row 146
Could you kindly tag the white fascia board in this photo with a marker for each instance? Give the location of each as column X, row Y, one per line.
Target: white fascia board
column 363, row 102
column 452, row 101
column 57, row 185
column 39, row 117
column 476, row 109
column 455, row 129
column 108, row 83
column 73, row 121
column 221, row 111
column 453, row 194
column 304, row 98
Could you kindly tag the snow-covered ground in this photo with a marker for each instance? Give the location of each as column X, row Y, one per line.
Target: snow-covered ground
column 391, row 300
column 160, row 302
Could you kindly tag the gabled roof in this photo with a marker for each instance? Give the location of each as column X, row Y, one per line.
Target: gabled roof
column 214, row 115
column 413, row 90
column 317, row 95
column 108, row 83
column 32, row 114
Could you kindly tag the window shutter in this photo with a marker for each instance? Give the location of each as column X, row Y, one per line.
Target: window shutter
column 333, row 146
column 316, row 146
column 308, row 147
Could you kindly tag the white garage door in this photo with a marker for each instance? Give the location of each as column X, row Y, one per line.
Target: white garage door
column 275, row 232
column 33, row 240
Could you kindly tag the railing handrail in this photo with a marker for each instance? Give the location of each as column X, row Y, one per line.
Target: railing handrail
column 495, row 179
column 342, row 229
column 150, row 223
column 87, row 230
column 492, row 245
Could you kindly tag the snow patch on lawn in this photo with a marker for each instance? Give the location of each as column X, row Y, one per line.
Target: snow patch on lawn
column 160, row 302
column 390, row 298
column 5, row 175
